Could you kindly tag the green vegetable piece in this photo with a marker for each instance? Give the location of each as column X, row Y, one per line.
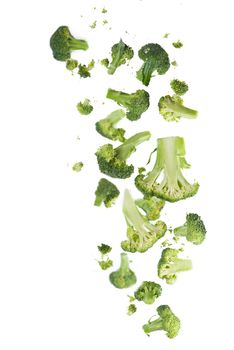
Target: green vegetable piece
column 84, row 107
column 106, row 193
column 193, row 230
column 166, row 35
column 71, row 64
column 172, row 109
column 174, row 64
column 77, row 167
column 148, row 292
column 123, row 277
column 177, row 44
column 104, row 249
column 84, row 71
column 152, row 206
column 106, row 126
column 179, row 87
column 105, row 62
column 132, row 309
column 105, row 264
column 120, row 53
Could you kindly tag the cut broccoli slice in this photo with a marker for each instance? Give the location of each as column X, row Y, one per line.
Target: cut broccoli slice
column 106, row 126
column 120, row 53
column 152, row 206
column 106, row 193
column 123, row 277
column 172, row 109
column 194, row 229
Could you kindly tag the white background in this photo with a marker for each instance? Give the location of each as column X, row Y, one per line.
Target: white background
column 53, row 296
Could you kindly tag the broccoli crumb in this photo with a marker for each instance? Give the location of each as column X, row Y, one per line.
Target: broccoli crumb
column 174, row 64
column 93, row 25
column 71, row 64
column 104, row 10
column 77, row 167
column 104, row 22
column 177, row 44
column 84, row 107
column 105, row 62
column 166, row 35
column 131, row 309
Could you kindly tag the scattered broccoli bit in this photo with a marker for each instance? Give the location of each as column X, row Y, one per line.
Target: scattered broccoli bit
column 105, row 62
column 104, row 22
column 104, row 249
column 120, row 53
column 155, row 60
column 106, row 193
column 141, row 170
column 169, row 265
column 141, row 234
column 105, row 262
column 62, row 43
column 167, row 322
column 84, row 71
column 123, row 277
column 166, row 35
column 148, row 292
column 177, row 44
column 194, row 229
column 104, row 10
column 112, row 161
column 174, row 64
column 179, row 87
column 131, row 298
column 77, row 167
column 172, row 109
column 106, row 126
column 170, row 160
column 71, row 64
column 93, row 25
column 136, row 103
column 132, row 309
column 84, row 107
column 152, row 206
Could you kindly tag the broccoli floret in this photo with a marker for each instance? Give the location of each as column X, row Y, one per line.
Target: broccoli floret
column 141, row 234
column 148, row 292
column 106, row 193
column 155, row 60
column 132, row 309
column 93, row 25
column 194, row 229
column 167, row 322
column 136, row 103
column 177, row 44
column 105, row 263
column 123, row 277
column 105, row 62
column 71, row 64
column 172, row 109
column 62, row 43
column 120, row 53
column 170, row 160
column 179, row 87
column 169, row 264
column 112, row 161
column 77, row 167
column 152, row 206
column 104, row 249
column 106, row 126
column 84, row 71
column 84, row 107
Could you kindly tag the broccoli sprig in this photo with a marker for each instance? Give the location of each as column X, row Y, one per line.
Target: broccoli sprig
column 148, row 292
column 169, row 265
column 123, row 277
column 120, row 53
column 170, row 160
column 141, row 234
column 112, row 161
column 62, row 43
column 152, row 206
column 179, row 87
column 172, row 109
column 84, row 70
column 84, row 107
column 106, row 126
column 136, row 103
column 167, row 322
column 155, row 60
column 193, row 230
column 131, row 309
column 71, row 64
column 106, row 193
column 105, row 262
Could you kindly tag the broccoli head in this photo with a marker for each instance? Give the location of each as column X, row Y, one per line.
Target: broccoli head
column 106, row 193
column 170, row 160
column 106, row 126
column 84, row 107
column 167, row 322
column 120, row 53
column 112, row 161
column 136, row 103
column 62, row 43
column 84, row 71
column 148, row 292
column 194, row 229
column 169, row 264
column 123, row 277
column 179, row 87
column 172, row 109
column 152, row 206
column 105, row 262
column 178, row 44
column 155, row 60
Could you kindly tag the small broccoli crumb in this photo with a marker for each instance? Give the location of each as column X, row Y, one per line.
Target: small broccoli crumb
column 131, row 309
column 84, row 71
column 166, row 243
column 141, row 170
column 84, row 107
column 104, row 10
column 105, row 62
column 93, row 25
column 177, row 44
column 71, row 64
column 104, row 249
column 77, row 167
column 174, row 64
column 179, row 87
column 166, row 35
column 131, row 298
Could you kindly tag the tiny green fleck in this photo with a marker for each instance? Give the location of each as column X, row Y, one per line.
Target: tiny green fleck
column 174, row 64
column 93, row 25
column 177, row 44
column 104, row 22
column 77, row 167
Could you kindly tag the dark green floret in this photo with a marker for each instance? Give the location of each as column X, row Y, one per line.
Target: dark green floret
column 148, row 292
column 71, row 64
column 104, row 249
column 120, row 53
column 106, row 193
column 123, row 277
column 84, row 107
column 193, row 230
column 179, row 87
column 152, row 206
column 106, row 126
column 172, row 109
column 105, row 62
column 105, row 262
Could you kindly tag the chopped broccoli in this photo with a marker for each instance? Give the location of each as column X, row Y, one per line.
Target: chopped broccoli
column 194, row 229
column 172, row 109
column 152, row 206
column 174, row 64
column 155, row 59
column 123, row 277
column 170, row 160
column 105, row 264
column 84, row 107
column 177, row 44
column 132, row 309
column 106, row 126
column 71, row 64
column 136, row 103
column 141, row 234
column 93, row 25
column 167, row 322
column 105, row 62
column 179, row 87
column 120, row 53
column 62, row 43
column 169, row 264
column 112, row 161
column 84, row 71
column 148, row 292
column 106, row 193
column 104, row 249
column 77, row 167
column 166, row 35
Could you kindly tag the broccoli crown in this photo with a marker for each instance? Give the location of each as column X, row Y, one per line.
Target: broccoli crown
column 106, row 193
column 62, row 43
column 169, row 264
column 178, row 44
column 104, row 249
column 112, row 161
column 152, row 206
column 106, row 126
column 170, row 160
column 172, row 109
column 120, row 54
column 105, row 62
column 167, row 322
column 194, row 229
column 71, row 64
column 148, row 292
column 132, row 309
column 123, row 277
column 179, row 87
column 141, row 234
column 84, row 71
column 155, row 59
column 84, row 107
column 136, row 103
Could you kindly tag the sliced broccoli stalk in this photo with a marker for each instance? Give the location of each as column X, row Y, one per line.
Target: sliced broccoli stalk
column 193, row 230
column 106, row 193
column 170, row 160
column 172, row 109
column 106, row 126
column 123, row 277
column 148, row 292
column 84, row 71
column 105, row 62
column 152, row 206
column 77, row 167
column 84, row 107
column 179, row 87
column 120, row 53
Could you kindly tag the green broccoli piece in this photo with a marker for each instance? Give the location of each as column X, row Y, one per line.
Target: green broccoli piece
column 62, row 43
column 148, row 292
column 177, row 44
column 105, row 62
column 152, row 206
column 172, row 109
column 179, row 87
column 155, row 60
column 170, row 160
column 167, row 322
column 84, row 71
column 123, row 277
column 106, row 126
column 136, row 103
column 174, row 64
column 194, row 229
column 132, row 309
column 120, row 53
column 169, row 264
column 105, row 264
column 141, row 234
column 106, row 193
column 84, row 107
column 77, row 167
column 93, row 25
column 112, row 161
column 104, row 249
column 71, row 64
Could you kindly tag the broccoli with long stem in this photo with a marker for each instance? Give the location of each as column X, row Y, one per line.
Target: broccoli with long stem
column 106, row 193
column 148, row 292
column 106, row 126
column 193, row 230
column 172, row 109
column 71, row 64
column 123, row 277
column 120, row 53
column 105, row 262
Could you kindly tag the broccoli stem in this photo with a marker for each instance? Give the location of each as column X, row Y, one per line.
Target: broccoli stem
column 120, row 97
column 146, row 72
column 180, row 265
column 98, row 200
column 76, row 44
column 182, row 110
column 129, row 146
column 155, row 325
column 114, row 64
column 124, row 263
column 115, row 116
column 149, row 298
column 181, row 231
column 132, row 214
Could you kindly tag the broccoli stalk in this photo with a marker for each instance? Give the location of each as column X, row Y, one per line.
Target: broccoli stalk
column 106, row 193
column 120, row 53
column 194, row 229
column 148, row 292
column 172, row 109
column 105, row 262
column 152, row 206
column 106, row 126
column 123, row 277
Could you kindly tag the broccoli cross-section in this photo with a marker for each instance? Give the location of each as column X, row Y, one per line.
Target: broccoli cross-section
column 106, row 193
column 123, row 277
column 148, row 292
column 152, row 206
column 172, row 109
column 106, row 126
column 120, row 53
column 193, row 230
